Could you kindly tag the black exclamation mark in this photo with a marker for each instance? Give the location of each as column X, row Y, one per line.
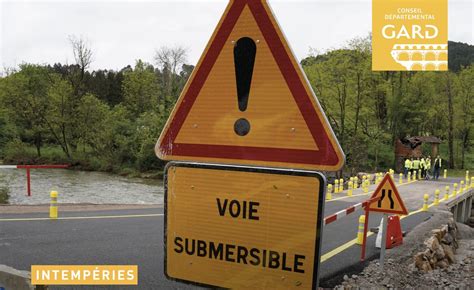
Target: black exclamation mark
column 244, row 59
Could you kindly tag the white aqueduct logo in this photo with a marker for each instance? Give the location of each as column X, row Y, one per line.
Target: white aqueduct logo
column 421, row 56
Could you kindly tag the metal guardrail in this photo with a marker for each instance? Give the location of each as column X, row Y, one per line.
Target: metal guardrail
column 461, row 206
column 28, row 167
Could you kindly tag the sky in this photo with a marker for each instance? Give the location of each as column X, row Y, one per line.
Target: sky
column 120, row 32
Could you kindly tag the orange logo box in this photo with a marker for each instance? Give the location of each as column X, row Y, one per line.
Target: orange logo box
column 410, row 35
column 84, row 275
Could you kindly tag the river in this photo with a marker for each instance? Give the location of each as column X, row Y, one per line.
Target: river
column 80, row 187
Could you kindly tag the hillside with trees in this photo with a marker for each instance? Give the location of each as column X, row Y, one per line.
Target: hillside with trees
column 110, row 120
column 369, row 110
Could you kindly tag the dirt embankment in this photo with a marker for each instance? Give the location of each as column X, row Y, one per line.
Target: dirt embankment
column 401, row 272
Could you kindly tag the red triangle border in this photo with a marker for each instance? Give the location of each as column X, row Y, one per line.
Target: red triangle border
column 326, row 155
column 397, row 195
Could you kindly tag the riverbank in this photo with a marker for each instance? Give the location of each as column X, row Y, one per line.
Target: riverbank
column 83, row 161
column 44, row 208
column 149, row 167
column 80, row 187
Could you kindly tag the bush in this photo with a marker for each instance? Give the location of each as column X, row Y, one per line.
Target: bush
column 3, row 195
column 146, row 158
column 18, row 152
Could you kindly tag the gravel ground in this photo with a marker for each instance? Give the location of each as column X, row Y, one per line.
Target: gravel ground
column 400, row 272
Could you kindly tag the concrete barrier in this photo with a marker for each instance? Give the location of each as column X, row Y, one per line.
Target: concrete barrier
column 461, row 206
column 11, row 278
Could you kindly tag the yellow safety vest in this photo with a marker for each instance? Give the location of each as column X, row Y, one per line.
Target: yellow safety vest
column 428, row 164
column 408, row 164
column 416, row 164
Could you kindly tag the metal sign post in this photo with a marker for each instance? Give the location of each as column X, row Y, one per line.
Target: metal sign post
column 384, row 240
column 366, row 206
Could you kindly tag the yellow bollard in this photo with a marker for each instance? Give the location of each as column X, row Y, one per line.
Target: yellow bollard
column 366, row 187
column 455, row 190
column 425, row 202
column 446, row 194
column 400, row 178
column 413, row 177
column 409, row 176
column 349, row 190
column 341, row 185
column 336, row 186
column 53, row 207
column 356, row 182
column 445, row 174
column 328, row 193
column 436, row 200
column 369, row 178
column 461, row 186
column 360, row 230
column 419, row 174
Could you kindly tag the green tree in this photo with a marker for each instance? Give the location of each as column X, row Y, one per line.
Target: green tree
column 25, row 97
column 91, row 120
column 61, row 119
column 465, row 120
column 140, row 89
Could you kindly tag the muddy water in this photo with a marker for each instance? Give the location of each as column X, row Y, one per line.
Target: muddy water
column 80, row 187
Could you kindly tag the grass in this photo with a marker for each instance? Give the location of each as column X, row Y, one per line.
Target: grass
column 458, row 172
column 468, row 159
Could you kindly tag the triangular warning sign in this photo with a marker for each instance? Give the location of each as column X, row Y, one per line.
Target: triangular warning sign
column 390, row 200
column 248, row 101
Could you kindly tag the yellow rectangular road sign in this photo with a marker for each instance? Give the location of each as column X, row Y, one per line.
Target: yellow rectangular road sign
column 410, row 35
column 243, row 227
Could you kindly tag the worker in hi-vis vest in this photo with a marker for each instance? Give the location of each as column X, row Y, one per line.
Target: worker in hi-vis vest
column 416, row 166
column 407, row 166
column 436, row 167
column 422, row 167
column 428, row 168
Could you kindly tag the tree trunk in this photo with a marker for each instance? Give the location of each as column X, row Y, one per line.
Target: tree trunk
column 65, row 146
column 465, row 144
column 450, row 121
column 38, row 141
column 358, row 105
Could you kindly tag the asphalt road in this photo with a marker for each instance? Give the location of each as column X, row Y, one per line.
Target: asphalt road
column 139, row 239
